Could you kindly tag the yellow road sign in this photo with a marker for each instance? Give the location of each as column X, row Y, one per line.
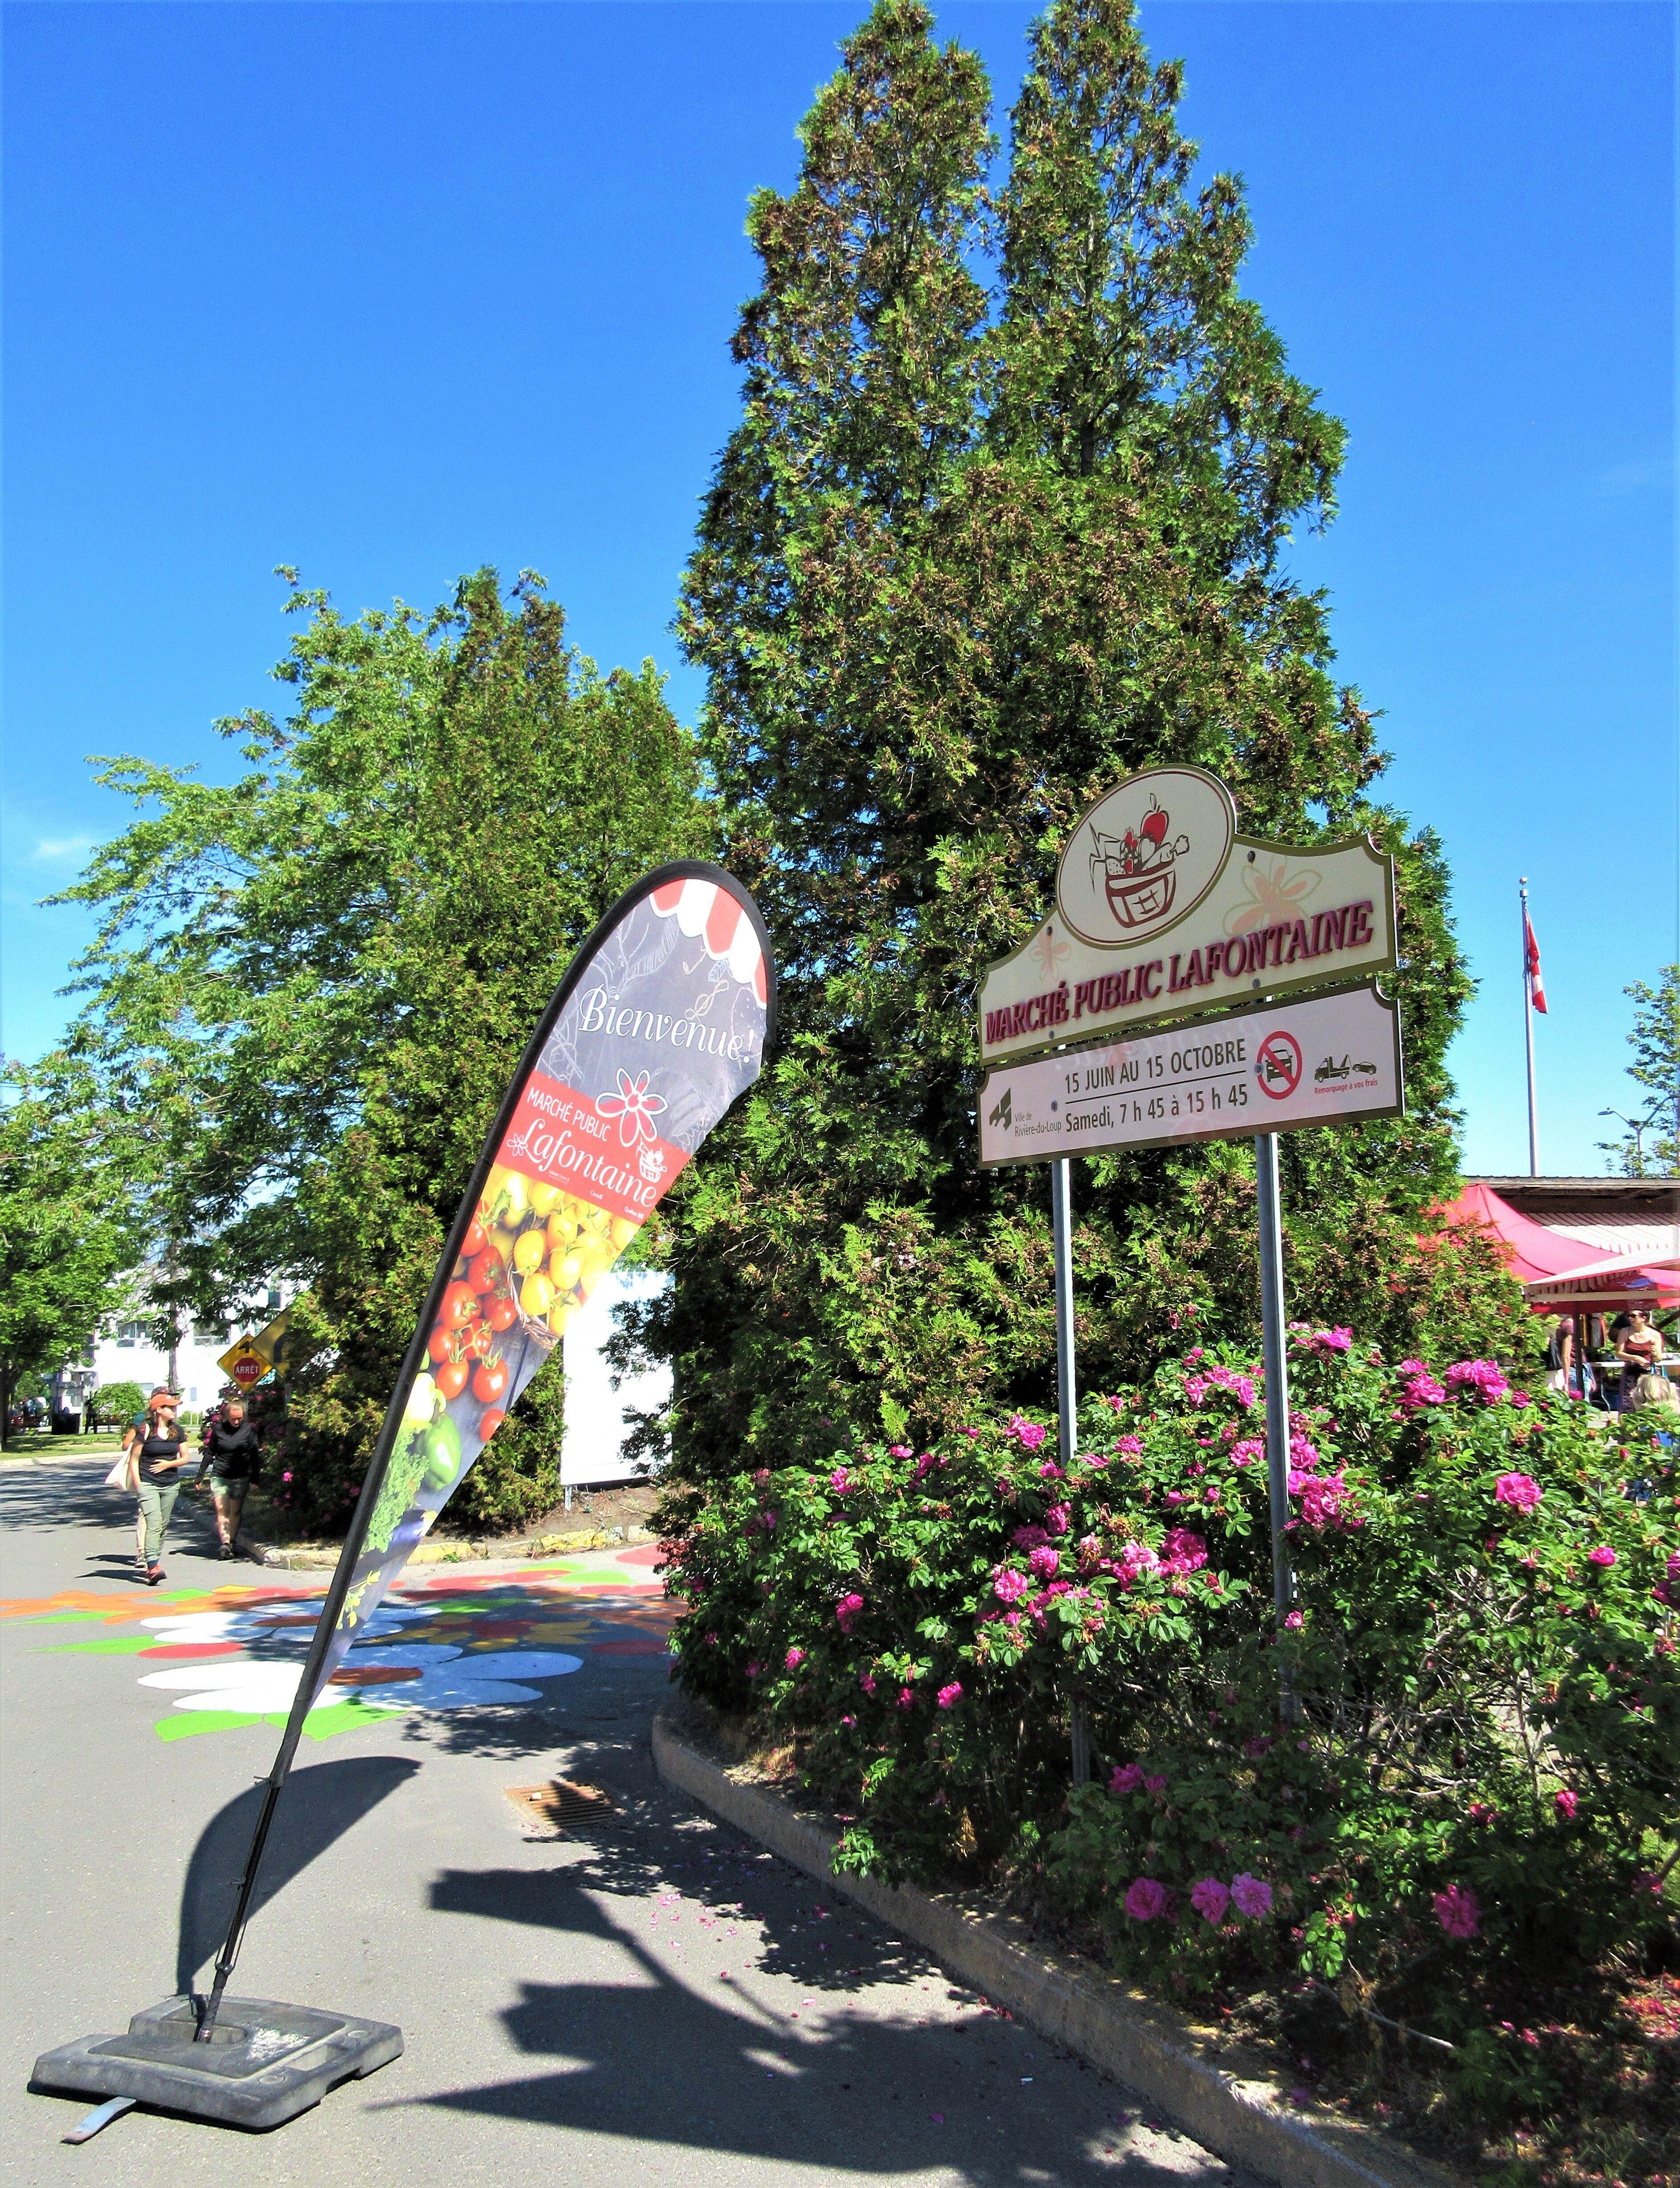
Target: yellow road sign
column 244, row 1363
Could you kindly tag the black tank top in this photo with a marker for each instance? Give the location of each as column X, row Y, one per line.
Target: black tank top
column 158, row 1447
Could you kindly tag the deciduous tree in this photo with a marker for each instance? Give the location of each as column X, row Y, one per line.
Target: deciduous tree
column 310, row 985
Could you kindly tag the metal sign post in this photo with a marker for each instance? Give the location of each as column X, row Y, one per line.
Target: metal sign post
column 1275, row 1356
column 1066, row 1443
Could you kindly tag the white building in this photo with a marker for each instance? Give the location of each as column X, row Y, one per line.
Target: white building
column 128, row 1351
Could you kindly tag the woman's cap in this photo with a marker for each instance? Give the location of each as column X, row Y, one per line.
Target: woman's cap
column 163, row 1391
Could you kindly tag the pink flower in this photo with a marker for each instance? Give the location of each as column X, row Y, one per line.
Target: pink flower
column 905, row 1698
column 1294, row 1621
column 1044, row 1562
column 839, row 1481
column 1128, row 1446
column 1419, row 1390
column 1604, row 1555
column 1059, row 1518
column 1211, row 1898
column 1050, row 1471
column 1485, row 1377
column 1568, row 1803
column 1028, row 1538
column 950, row 1695
column 1182, row 1551
column 753, row 1668
column 1321, row 1497
column 1673, row 1568
column 795, row 1657
column 1520, row 1491
column 1458, row 1913
column 1246, row 1451
column 1481, row 1813
column 1028, row 1432
column 285, row 1477
column 1252, row 1898
column 1009, row 1586
column 866, row 1681
column 1154, row 1785
column 900, row 1451
column 1135, row 1558
column 1128, row 1777
column 846, row 1610
column 1145, row 1899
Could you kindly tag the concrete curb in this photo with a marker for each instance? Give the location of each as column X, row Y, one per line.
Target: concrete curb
column 1243, row 2118
column 323, row 1557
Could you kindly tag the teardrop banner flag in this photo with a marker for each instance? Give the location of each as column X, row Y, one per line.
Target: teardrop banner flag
column 660, row 1023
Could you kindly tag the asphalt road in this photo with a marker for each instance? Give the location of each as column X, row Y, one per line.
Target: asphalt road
column 658, row 2001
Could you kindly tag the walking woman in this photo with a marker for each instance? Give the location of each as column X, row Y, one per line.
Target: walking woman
column 230, row 1457
column 157, row 1451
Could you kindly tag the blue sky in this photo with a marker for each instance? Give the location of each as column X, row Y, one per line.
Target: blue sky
column 392, row 292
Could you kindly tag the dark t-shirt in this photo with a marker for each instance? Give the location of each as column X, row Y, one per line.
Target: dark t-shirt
column 155, row 1448
column 232, row 1451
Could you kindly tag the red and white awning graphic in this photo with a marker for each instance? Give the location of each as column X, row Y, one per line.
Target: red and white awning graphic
column 712, row 915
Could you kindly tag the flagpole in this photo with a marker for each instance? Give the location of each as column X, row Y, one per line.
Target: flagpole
column 1528, row 1031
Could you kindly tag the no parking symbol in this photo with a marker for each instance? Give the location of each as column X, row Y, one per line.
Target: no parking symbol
column 1278, row 1064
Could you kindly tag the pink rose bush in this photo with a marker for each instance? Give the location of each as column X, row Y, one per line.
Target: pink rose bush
column 917, row 1628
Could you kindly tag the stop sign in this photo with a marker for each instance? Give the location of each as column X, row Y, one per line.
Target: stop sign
column 248, row 1371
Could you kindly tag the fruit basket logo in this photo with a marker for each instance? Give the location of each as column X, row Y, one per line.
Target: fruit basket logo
column 1138, row 875
column 634, row 1108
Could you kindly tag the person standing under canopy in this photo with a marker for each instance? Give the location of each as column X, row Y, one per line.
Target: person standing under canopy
column 1639, row 1349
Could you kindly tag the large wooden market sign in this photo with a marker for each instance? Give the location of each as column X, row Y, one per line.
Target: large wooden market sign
column 1162, row 911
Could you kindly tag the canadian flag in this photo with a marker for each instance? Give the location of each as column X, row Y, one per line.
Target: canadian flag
column 1531, row 956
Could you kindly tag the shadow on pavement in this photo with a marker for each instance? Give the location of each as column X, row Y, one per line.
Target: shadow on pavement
column 39, row 1497
column 320, row 1803
column 852, row 2083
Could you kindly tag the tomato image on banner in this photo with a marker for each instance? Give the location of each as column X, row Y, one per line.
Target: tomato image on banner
column 660, row 1023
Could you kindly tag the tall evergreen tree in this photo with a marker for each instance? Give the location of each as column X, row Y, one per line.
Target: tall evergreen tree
column 969, row 558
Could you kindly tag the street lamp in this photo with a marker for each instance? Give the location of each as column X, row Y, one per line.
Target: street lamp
column 1637, row 1126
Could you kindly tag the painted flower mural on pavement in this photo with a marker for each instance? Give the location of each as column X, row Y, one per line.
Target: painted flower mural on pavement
column 232, row 1655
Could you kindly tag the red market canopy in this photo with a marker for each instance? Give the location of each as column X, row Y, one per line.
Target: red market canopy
column 1548, row 1266
column 1624, row 1280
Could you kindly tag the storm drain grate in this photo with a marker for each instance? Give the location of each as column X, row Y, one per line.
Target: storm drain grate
column 561, row 1809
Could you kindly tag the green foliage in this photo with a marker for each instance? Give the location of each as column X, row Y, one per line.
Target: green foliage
column 966, row 560
column 116, row 1404
column 1478, row 1786
column 67, row 1230
column 1655, row 1070
column 342, row 953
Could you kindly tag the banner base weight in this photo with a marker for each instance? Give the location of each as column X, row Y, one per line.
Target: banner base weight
column 264, row 2064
